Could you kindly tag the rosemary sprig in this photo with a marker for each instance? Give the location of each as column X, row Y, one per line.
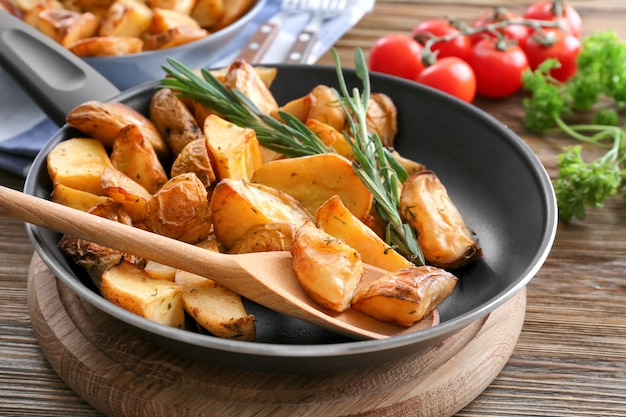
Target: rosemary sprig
column 291, row 138
column 375, row 165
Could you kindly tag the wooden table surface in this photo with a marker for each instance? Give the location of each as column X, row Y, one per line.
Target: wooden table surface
column 570, row 359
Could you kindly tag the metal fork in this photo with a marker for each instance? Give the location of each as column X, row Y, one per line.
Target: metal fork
column 260, row 42
column 321, row 10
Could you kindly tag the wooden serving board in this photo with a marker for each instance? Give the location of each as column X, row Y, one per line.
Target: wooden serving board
column 121, row 374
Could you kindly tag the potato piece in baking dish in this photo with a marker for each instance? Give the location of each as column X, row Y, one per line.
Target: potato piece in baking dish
column 106, row 46
column 78, row 163
column 124, row 190
column 234, row 150
column 238, row 205
column 327, row 268
column 215, row 307
column 233, row 10
column 165, row 19
column 80, row 200
column 444, row 237
column 332, row 138
column 405, row 296
column 208, row 12
column 134, row 156
column 172, row 118
column 179, row 35
column 94, row 258
column 382, row 118
column 179, row 6
column 105, row 120
column 133, row 289
column 313, row 179
column 180, row 210
column 243, row 77
column 267, row 237
column 126, row 18
column 194, row 158
column 335, row 219
column 66, row 26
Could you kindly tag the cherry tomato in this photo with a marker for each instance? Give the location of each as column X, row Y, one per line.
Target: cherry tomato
column 459, row 46
column 545, row 10
column 498, row 71
column 514, row 32
column 564, row 47
column 397, row 54
column 451, row 75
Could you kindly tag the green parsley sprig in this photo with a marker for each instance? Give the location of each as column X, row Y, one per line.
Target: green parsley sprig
column 374, row 164
column 598, row 88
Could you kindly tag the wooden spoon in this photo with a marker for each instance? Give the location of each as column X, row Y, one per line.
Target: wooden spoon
column 266, row 277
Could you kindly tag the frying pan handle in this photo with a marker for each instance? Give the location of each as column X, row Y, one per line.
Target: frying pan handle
column 56, row 79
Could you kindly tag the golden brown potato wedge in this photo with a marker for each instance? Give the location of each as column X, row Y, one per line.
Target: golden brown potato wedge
column 124, row 190
column 31, row 11
column 326, row 107
column 234, row 150
column 265, row 238
column 194, row 158
column 243, row 77
column 105, row 120
column 216, row 308
column 66, row 26
column 443, row 235
column 159, row 271
column 94, row 258
column 409, row 165
column 207, row 12
column 106, row 46
column 78, row 163
column 134, row 156
column 405, row 296
column 179, row 35
column 126, row 18
column 314, row 179
column 233, row 10
column 179, row 6
column 133, row 289
column 237, row 206
column 331, row 137
column 80, row 200
column 382, row 118
column 166, row 19
column 328, row 269
column 298, row 108
column 335, row 219
column 180, row 210
column 174, row 121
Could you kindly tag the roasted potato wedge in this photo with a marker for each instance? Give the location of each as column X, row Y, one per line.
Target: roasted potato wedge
column 382, row 118
column 233, row 10
column 180, row 210
column 265, row 238
column 176, row 36
column 166, row 19
column 194, row 158
column 234, row 150
column 124, row 190
column 174, row 121
column 405, row 296
column 180, row 6
column 134, row 156
column 159, row 271
column 237, row 206
column 208, row 12
column 80, row 200
column 126, row 18
column 327, row 268
column 105, row 120
column 443, row 235
column 94, row 258
column 326, row 107
column 106, row 46
column 243, row 77
column 314, row 179
column 335, row 219
column 133, row 289
column 216, row 308
column 78, row 163
column 66, row 26
column 331, row 137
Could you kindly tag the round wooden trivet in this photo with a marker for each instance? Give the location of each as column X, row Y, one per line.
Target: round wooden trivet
column 121, row 374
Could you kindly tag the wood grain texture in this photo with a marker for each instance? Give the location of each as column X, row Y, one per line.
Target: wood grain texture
column 570, row 359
